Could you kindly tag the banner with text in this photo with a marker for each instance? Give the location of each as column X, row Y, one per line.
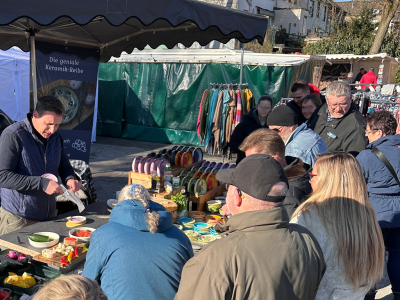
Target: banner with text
column 70, row 74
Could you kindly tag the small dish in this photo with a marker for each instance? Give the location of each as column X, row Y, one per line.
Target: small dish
column 81, row 238
column 53, row 235
column 77, row 219
column 111, row 203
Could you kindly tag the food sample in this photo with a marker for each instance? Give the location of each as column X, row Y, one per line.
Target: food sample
column 82, row 233
column 70, row 241
column 48, row 253
column 24, row 281
column 40, row 238
column 63, row 249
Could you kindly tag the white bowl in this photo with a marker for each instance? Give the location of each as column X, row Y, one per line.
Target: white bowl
column 83, row 239
column 53, row 235
column 111, row 203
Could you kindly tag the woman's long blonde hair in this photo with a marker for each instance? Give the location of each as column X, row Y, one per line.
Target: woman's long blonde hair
column 71, row 287
column 141, row 194
column 341, row 201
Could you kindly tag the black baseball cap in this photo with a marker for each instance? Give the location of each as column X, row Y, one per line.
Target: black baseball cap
column 255, row 175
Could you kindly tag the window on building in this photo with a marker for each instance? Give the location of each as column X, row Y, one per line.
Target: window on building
column 312, row 8
column 318, row 9
column 325, row 12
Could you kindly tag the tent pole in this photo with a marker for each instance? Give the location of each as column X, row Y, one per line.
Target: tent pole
column 33, row 68
column 241, row 65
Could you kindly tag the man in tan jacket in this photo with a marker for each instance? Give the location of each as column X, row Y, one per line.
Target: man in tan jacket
column 260, row 255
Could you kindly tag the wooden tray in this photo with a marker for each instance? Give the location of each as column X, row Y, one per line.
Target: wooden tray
column 199, row 203
column 56, row 261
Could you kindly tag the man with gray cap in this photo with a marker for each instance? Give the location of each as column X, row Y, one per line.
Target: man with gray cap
column 338, row 121
column 260, row 255
column 300, row 141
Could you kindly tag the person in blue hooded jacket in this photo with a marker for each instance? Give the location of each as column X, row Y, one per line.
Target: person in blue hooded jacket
column 139, row 254
column 383, row 190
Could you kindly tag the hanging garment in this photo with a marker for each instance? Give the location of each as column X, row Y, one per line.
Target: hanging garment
column 225, row 101
column 238, row 116
column 230, row 116
column 204, row 118
column 210, row 116
column 203, row 99
column 217, row 122
column 242, row 98
column 250, row 101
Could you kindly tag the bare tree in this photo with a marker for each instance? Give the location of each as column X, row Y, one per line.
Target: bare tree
column 388, row 13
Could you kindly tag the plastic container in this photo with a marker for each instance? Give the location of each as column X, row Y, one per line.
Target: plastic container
column 29, row 291
column 8, row 297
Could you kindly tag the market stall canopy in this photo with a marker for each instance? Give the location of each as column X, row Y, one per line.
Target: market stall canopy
column 215, row 56
column 335, row 58
column 122, row 25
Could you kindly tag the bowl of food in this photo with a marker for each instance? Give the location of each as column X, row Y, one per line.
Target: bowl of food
column 81, row 233
column 214, row 205
column 43, row 239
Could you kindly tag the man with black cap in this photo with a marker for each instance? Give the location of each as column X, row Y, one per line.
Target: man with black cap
column 260, row 255
column 300, row 141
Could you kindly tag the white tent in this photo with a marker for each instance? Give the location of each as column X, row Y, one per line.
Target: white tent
column 14, row 83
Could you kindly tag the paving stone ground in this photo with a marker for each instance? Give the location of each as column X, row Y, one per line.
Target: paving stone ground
column 111, row 160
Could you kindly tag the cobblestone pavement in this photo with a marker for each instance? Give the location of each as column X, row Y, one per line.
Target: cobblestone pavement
column 111, row 160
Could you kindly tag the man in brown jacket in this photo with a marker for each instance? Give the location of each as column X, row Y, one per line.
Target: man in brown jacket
column 261, row 255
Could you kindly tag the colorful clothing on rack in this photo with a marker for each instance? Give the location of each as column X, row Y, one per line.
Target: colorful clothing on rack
column 230, row 116
column 225, row 101
column 210, row 117
column 238, row 116
column 248, row 101
column 217, row 122
column 205, row 95
column 204, row 116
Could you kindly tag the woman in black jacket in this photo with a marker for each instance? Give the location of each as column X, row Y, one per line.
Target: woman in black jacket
column 255, row 119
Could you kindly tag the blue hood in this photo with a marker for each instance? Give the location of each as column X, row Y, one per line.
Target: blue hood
column 390, row 140
column 130, row 213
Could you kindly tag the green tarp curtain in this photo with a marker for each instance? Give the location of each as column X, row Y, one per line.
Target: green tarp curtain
column 159, row 102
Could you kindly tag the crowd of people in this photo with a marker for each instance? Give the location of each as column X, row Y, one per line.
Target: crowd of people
column 312, row 211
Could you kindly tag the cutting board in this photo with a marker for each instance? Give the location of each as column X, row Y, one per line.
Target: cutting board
column 56, row 261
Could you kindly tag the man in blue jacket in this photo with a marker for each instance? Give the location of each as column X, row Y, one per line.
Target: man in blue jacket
column 29, row 149
column 300, row 141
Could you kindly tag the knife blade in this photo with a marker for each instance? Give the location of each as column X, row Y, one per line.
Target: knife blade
column 10, row 260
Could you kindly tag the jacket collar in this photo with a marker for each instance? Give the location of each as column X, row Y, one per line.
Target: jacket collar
column 258, row 220
column 295, row 168
column 393, row 140
column 296, row 132
column 322, row 113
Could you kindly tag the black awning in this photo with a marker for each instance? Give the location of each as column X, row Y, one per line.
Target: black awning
column 114, row 26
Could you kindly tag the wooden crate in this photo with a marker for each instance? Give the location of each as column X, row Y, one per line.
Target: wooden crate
column 169, row 205
column 199, row 203
column 167, row 195
column 145, row 180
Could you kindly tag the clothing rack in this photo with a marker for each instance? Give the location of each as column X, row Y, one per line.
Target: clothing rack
column 228, row 85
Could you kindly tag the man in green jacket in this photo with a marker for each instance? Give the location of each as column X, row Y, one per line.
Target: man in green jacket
column 260, row 255
column 338, row 121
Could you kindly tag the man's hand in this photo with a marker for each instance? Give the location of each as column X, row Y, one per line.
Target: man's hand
column 53, row 187
column 73, row 185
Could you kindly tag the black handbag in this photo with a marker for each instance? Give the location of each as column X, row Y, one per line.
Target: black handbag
column 386, row 162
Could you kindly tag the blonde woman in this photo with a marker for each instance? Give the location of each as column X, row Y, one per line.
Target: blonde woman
column 139, row 254
column 72, row 287
column 343, row 221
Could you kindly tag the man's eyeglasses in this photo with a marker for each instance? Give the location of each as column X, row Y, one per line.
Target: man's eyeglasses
column 341, row 105
column 312, row 175
column 370, row 131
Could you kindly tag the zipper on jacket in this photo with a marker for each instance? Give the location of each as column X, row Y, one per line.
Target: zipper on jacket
column 45, row 170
